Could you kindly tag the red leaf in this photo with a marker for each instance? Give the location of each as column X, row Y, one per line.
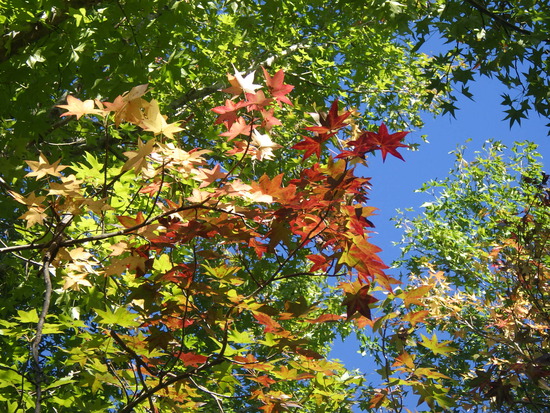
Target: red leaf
column 240, row 127
column 371, row 141
column 276, row 86
column 359, row 302
column 310, row 145
column 270, row 324
column 320, row 262
column 310, row 354
column 257, row 101
column 228, row 113
column 325, row 318
column 269, row 120
column 332, row 122
column 192, row 359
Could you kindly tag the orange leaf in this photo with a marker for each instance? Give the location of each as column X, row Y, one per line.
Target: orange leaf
column 270, row 324
column 416, row 317
column 324, row 318
column 192, row 359
column 404, row 359
column 129, row 222
column 413, row 296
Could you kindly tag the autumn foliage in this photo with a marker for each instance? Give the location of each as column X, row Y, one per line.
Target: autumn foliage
column 176, row 279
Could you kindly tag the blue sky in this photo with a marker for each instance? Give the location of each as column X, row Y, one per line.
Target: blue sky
column 394, row 182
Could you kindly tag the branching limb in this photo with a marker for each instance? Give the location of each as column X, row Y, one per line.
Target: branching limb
column 498, row 18
column 54, row 246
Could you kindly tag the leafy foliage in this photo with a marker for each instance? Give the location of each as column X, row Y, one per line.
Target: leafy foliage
column 173, row 280
column 478, row 284
column 185, row 266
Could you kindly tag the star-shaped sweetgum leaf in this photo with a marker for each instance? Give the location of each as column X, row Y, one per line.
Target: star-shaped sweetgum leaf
column 332, row 121
column 228, row 112
column 42, row 167
column 207, row 176
column 156, row 122
column 239, row 127
column 257, row 101
column 385, row 142
column 79, row 108
column 269, row 120
column 312, row 145
column 359, row 301
column 277, row 87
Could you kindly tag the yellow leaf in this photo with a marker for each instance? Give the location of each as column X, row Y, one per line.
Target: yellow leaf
column 79, row 108
column 156, row 123
column 137, row 159
column 414, row 296
column 42, row 167
column 435, row 346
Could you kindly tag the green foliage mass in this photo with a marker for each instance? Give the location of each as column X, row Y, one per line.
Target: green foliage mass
column 369, row 55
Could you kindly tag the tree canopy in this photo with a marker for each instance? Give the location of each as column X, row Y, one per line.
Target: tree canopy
column 476, row 261
column 185, row 221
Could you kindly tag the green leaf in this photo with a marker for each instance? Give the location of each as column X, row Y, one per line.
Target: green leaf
column 120, row 317
column 30, row 316
column 437, row 347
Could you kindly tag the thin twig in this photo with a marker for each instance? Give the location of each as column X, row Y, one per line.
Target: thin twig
column 497, row 18
column 54, row 246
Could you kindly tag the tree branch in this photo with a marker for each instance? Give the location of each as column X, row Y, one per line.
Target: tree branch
column 54, row 246
column 171, row 380
column 497, row 18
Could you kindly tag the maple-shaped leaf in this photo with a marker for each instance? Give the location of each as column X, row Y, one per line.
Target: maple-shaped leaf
column 235, row 89
column 138, row 159
column 192, row 359
column 385, row 142
column 277, row 87
column 129, row 107
column 264, row 380
column 30, row 200
column 332, row 121
column 42, row 167
column 435, row 346
column 129, row 222
column 73, row 281
column 325, row 318
column 240, row 127
column 247, row 82
column 135, row 93
column 79, row 108
column 274, row 188
column 429, row 373
column 416, row 317
column 264, row 144
column 156, row 122
column 270, row 324
column 207, row 176
column 307, row 353
column 404, row 359
column 257, row 101
column 312, row 145
column 414, row 296
column 359, row 302
column 320, row 262
column 240, row 83
column 268, row 120
column 228, row 112
column 35, row 215
column 154, row 187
